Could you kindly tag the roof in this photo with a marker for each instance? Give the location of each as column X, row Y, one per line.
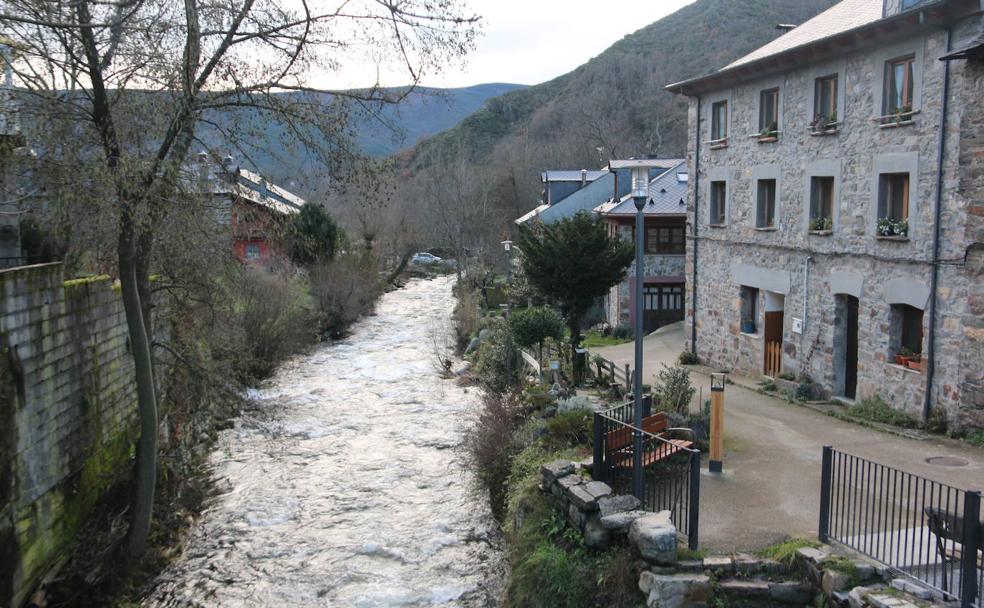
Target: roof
column 532, row 214
column 652, row 163
column 841, row 17
column 254, row 188
column 831, row 31
column 585, row 199
column 667, row 195
column 570, row 176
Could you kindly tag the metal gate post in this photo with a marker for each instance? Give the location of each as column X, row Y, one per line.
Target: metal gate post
column 693, row 521
column 971, row 545
column 598, row 460
column 826, row 472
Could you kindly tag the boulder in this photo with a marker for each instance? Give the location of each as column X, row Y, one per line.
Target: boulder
column 675, row 590
column 596, row 536
column 586, row 496
column 552, row 471
column 610, row 505
column 655, row 537
column 565, row 483
column 834, row 581
column 620, row 522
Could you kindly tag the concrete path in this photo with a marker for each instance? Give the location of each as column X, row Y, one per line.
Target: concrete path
column 771, row 484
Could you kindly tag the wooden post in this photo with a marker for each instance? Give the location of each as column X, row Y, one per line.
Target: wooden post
column 716, row 462
column 628, row 379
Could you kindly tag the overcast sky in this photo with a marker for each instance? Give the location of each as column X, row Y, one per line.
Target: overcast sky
column 531, row 41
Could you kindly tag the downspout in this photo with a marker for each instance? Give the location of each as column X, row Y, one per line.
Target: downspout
column 695, row 179
column 937, row 215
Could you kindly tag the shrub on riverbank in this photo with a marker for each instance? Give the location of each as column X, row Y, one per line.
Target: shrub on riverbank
column 497, row 360
column 344, row 289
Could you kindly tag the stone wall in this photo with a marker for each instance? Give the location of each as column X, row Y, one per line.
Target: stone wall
column 67, row 414
column 814, row 272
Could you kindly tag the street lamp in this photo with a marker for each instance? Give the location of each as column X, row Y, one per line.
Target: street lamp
column 640, row 195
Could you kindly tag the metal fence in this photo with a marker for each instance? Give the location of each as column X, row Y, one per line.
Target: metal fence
column 670, row 475
column 920, row 528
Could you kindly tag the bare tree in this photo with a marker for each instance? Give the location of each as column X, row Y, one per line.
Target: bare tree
column 140, row 79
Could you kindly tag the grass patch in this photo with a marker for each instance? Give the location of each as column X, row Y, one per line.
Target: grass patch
column 874, row 409
column 685, row 554
column 975, row 439
column 785, row 552
column 595, row 339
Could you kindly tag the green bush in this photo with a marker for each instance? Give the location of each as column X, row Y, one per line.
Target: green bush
column 622, row 332
column 876, row 410
column 674, row 390
column 537, row 397
column 570, row 429
column 531, row 327
column 688, row 358
column 496, row 363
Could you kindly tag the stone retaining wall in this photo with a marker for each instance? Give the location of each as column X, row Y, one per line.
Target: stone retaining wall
column 67, row 414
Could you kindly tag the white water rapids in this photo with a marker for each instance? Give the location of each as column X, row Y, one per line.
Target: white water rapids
column 352, row 492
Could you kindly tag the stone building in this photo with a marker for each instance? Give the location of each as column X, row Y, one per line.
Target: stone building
column 665, row 225
column 837, row 209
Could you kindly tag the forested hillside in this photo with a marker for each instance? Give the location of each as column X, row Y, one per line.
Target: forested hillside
column 612, row 106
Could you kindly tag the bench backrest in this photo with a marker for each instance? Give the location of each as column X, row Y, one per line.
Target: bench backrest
column 946, row 524
column 622, row 436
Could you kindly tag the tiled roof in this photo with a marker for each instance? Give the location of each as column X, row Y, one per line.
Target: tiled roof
column 842, row 17
column 667, row 195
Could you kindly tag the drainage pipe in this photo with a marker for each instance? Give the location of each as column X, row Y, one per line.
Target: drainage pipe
column 937, row 216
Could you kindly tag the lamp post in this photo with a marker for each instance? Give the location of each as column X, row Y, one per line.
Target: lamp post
column 640, row 195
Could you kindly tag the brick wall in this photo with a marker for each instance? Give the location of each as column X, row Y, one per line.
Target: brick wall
column 67, row 414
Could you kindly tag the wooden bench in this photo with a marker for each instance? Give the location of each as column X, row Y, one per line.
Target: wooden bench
column 948, row 526
column 619, row 443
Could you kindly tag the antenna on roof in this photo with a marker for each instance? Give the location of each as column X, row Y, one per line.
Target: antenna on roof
column 785, row 27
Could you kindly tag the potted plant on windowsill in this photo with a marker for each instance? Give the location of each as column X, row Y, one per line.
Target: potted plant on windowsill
column 892, row 229
column 769, row 133
column 747, row 326
column 904, row 356
column 821, row 225
column 824, row 124
column 898, row 116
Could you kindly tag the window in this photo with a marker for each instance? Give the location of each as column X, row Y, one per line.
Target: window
column 765, row 215
column 825, row 102
column 719, row 121
column 898, row 86
column 663, row 297
column 769, row 112
column 749, row 309
column 252, row 251
column 893, row 205
column 907, row 329
column 821, row 203
column 719, row 194
column 665, row 240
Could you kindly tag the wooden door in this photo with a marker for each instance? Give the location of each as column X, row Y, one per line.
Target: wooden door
column 773, row 342
column 851, row 352
column 663, row 304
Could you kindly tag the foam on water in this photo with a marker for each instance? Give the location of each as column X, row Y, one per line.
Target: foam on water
column 352, row 493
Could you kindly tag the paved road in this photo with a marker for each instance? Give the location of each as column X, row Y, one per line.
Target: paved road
column 770, row 487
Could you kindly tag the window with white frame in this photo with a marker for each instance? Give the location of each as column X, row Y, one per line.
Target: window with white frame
column 719, row 121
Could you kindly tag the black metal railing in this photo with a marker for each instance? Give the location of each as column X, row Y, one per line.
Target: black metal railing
column 920, row 528
column 670, row 472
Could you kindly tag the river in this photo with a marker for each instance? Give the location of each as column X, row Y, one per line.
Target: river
column 351, row 489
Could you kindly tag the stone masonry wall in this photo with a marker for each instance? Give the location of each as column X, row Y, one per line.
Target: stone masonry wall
column 813, row 271
column 67, row 414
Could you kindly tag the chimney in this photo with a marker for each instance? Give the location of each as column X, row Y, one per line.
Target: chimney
column 203, row 165
column 584, row 177
column 230, row 166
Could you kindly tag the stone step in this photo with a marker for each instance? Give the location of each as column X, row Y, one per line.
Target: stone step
column 757, row 592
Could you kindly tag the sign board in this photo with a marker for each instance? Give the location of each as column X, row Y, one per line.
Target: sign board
column 797, row 325
column 555, row 365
